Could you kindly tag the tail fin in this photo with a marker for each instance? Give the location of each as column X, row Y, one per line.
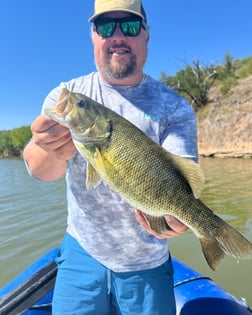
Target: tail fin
column 227, row 242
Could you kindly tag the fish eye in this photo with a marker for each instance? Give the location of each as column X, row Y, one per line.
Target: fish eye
column 81, row 103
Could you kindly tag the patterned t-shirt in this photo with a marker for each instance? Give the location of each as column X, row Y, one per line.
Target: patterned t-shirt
column 103, row 224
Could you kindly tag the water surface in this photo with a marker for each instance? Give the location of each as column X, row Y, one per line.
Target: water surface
column 33, row 220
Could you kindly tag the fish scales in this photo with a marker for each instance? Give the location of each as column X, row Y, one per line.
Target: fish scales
column 145, row 169
column 145, row 175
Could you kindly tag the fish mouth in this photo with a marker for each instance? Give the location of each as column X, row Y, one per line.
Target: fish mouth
column 58, row 117
column 59, row 112
column 64, row 104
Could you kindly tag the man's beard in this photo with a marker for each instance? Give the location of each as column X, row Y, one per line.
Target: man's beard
column 120, row 71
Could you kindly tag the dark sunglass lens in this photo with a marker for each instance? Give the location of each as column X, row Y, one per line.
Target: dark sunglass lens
column 105, row 29
column 131, row 28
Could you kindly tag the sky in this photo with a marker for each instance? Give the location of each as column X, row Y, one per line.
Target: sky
column 45, row 42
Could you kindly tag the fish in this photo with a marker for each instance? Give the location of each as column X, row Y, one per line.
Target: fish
column 145, row 175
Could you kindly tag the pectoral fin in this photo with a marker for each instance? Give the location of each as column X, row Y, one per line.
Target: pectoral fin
column 93, row 179
column 94, row 175
column 99, row 165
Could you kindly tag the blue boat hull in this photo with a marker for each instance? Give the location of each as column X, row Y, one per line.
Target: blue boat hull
column 195, row 294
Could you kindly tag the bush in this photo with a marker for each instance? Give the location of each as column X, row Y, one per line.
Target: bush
column 12, row 142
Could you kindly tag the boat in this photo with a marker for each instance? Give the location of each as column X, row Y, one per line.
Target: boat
column 31, row 291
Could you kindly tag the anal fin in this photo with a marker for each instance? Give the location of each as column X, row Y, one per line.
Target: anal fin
column 158, row 224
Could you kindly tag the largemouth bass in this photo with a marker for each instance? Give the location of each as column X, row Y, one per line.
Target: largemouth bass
column 145, row 175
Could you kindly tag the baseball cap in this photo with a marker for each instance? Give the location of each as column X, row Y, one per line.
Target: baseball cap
column 130, row 6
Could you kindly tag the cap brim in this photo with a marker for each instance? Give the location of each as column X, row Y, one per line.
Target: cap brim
column 94, row 17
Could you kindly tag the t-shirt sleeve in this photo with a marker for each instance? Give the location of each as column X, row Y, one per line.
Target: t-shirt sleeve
column 180, row 136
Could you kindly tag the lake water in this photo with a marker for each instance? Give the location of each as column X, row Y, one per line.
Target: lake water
column 33, row 220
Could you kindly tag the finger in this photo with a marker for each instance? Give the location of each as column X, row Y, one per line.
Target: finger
column 145, row 224
column 176, row 225
column 56, row 135
column 66, row 151
column 42, row 124
column 59, row 146
column 142, row 219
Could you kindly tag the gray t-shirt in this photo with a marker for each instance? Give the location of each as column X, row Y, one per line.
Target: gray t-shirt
column 103, row 224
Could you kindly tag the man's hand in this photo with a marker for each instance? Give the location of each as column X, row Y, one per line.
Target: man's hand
column 177, row 227
column 51, row 147
column 53, row 138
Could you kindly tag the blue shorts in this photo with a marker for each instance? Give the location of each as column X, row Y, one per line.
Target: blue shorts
column 84, row 286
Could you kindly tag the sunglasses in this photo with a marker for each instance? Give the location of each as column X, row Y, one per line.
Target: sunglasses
column 130, row 26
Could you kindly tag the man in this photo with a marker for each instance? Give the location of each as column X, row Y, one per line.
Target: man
column 108, row 262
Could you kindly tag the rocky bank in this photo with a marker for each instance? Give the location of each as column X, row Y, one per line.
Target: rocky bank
column 225, row 124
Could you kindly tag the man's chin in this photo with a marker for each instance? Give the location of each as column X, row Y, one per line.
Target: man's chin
column 119, row 72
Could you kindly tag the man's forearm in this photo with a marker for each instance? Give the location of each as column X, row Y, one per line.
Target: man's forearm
column 41, row 164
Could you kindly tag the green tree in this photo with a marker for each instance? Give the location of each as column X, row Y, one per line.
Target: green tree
column 227, row 74
column 12, row 142
column 194, row 82
column 19, row 138
column 5, row 143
